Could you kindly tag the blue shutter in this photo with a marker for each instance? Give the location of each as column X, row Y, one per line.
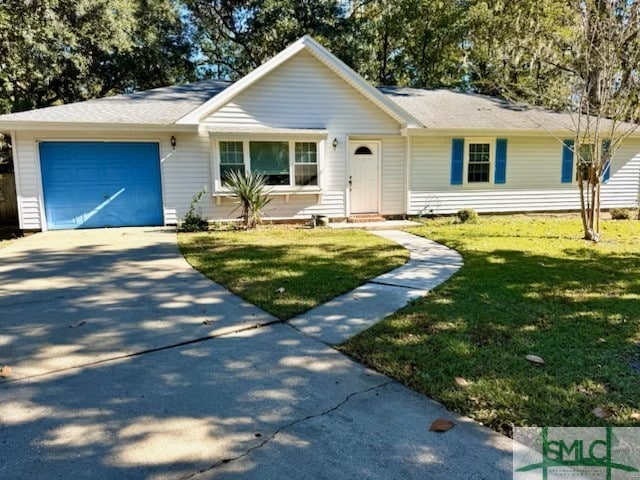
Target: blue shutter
column 457, row 161
column 567, row 161
column 501, row 161
column 606, row 172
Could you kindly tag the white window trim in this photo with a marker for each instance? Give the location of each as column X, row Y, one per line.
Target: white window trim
column 492, row 160
column 219, row 189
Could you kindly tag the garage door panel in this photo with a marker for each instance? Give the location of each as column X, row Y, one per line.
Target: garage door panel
column 92, row 185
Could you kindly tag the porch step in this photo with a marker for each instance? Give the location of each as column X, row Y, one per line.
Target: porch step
column 365, row 218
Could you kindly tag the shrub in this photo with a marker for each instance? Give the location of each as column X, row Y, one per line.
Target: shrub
column 620, row 214
column 251, row 195
column 467, row 215
column 193, row 220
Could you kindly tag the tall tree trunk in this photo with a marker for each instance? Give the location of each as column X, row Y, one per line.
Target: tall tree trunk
column 583, row 207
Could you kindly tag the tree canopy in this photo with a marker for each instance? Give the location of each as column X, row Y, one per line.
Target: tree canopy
column 58, row 51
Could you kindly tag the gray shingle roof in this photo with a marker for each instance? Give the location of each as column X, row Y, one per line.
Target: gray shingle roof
column 447, row 109
column 160, row 106
column 436, row 109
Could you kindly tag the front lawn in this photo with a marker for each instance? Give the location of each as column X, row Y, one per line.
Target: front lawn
column 529, row 286
column 312, row 266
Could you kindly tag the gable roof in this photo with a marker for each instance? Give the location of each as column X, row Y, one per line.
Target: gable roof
column 451, row 110
column 324, row 56
column 184, row 105
column 160, row 106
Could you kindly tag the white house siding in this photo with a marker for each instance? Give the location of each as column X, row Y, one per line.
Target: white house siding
column 304, row 93
column 184, row 171
column 533, row 179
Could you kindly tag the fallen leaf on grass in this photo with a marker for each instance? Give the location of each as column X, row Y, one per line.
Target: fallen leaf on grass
column 77, row 324
column 5, row 371
column 462, row 382
column 602, row 412
column 280, row 290
column 535, row 359
column 441, row 425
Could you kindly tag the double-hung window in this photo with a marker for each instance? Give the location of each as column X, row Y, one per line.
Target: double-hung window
column 283, row 163
column 231, row 159
column 306, row 163
column 585, row 159
column 479, row 162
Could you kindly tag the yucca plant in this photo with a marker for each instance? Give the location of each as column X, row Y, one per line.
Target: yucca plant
column 251, row 194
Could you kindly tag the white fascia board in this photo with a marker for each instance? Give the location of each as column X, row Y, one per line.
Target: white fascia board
column 482, row 132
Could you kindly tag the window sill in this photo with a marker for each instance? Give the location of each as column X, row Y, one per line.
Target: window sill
column 478, row 185
column 273, row 192
column 276, row 190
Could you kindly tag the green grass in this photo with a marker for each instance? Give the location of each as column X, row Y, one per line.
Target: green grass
column 529, row 286
column 313, row 266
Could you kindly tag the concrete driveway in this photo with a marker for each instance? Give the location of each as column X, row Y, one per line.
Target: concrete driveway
column 128, row 364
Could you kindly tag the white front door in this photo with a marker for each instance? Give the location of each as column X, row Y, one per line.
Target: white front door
column 363, row 177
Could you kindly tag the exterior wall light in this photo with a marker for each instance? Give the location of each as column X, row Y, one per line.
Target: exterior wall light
column 335, row 143
column 173, row 142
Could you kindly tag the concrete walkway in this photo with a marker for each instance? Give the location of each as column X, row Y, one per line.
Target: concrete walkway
column 429, row 265
column 252, row 401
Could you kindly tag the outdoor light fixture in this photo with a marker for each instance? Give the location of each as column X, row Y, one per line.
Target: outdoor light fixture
column 173, row 142
column 335, row 143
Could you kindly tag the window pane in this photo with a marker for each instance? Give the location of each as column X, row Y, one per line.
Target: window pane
column 478, row 172
column 587, row 153
column 363, row 151
column 231, row 153
column 225, row 169
column 307, row 174
column 271, row 159
column 479, row 152
column 306, row 152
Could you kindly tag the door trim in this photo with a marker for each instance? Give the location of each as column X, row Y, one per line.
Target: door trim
column 351, row 146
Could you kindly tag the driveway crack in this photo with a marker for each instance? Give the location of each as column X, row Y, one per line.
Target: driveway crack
column 268, row 439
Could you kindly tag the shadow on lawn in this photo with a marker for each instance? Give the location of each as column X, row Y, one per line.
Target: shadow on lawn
column 255, row 272
column 581, row 314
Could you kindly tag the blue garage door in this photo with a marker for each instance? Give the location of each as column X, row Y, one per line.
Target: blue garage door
column 100, row 184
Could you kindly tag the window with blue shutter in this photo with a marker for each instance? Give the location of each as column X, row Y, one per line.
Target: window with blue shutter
column 567, row 161
column 501, row 161
column 606, row 172
column 457, row 161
